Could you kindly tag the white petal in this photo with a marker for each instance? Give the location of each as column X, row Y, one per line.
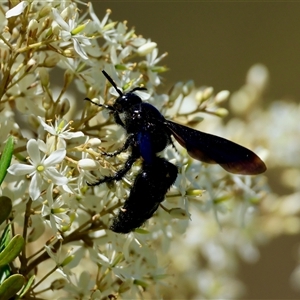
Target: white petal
column 48, row 128
column 46, row 211
column 61, row 143
column 20, row 169
column 57, row 178
column 58, row 203
column 70, row 135
column 67, row 189
column 79, row 49
column 16, row 10
column 55, row 157
column 66, row 35
column 42, row 146
column 35, row 186
column 60, row 20
column 33, row 151
column 83, row 40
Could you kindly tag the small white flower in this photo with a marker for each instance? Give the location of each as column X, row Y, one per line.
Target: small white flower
column 56, row 211
column 41, row 169
column 61, row 132
column 68, row 33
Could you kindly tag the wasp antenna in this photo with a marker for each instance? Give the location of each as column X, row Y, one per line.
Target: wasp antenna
column 112, row 83
column 101, row 105
column 88, row 99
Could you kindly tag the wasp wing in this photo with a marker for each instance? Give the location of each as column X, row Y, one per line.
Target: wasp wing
column 209, row 148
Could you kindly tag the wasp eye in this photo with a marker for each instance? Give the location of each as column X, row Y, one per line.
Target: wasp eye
column 118, row 107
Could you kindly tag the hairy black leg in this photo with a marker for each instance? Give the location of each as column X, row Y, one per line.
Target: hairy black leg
column 129, row 142
column 121, row 173
column 118, row 119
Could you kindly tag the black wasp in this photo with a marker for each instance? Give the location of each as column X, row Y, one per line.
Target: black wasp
column 148, row 133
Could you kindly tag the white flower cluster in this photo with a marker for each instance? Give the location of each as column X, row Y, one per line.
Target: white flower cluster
column 57, row 150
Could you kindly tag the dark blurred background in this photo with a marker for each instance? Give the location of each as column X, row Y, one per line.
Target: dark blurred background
column 215, row 43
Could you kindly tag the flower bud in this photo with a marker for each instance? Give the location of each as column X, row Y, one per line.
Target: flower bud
column 44, row 11
column 44, row 77
column 188, row 87
column 63, row 107
column 52, row 60
column 221, row 112
column 68, row 77
column 94, row 142
column 207, row 93
column 222, row 96
column 88, row 164
column 58, row 284
column 179, row 213
column 32, row 28
column 55, row 28
column 175, row 91
column 31, row 65
column 146, row 48
column 66, row 13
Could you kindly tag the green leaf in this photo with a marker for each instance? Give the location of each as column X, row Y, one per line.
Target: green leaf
column 11, row 286
column 5, row 238
column 27, row 286
column 6, row 158
column 5, row 272
column 6, row 207
column 12, row 250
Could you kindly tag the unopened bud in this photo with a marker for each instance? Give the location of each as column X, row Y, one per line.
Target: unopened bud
column 179, row 213
column 44, row 76
column 146, row 48
column 70, row 52
column 47, row 103
column 221, row 112
column 207, row 93
column 94, row 142
column 63, row 107
column 31, row 65
column 55, row 28
column 125, row 286
column 68, row 77
column 65, row 14
column 58, row 284
column 88, row 164
column 51, row 60
column 222, row 96
column 175, row 91
column 44, row 11
column 32, row 28
column 199, row 96
column 188, row 87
